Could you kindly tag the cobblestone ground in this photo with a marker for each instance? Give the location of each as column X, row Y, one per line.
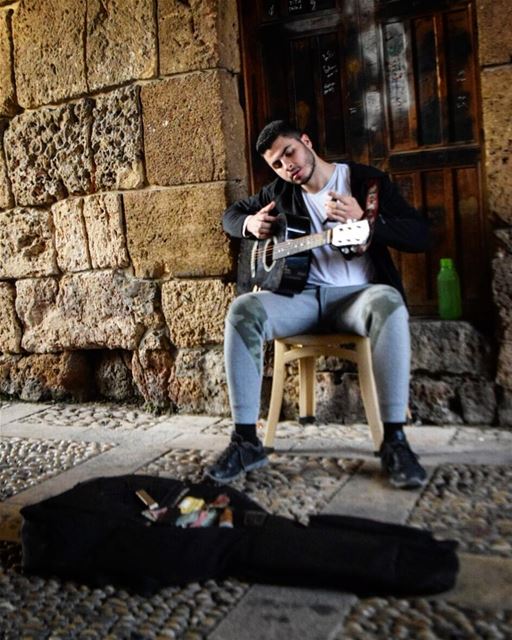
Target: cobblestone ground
column 421, row 619
column 469, row 502
column 24, row 462
column 291, row 486
column 105, row 416
column 34, row 608
column 472, row 504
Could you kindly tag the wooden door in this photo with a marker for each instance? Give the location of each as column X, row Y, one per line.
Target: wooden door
column 433, row 133
column 390, row 83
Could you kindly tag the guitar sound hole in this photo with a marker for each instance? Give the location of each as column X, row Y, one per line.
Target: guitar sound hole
column 267, row 259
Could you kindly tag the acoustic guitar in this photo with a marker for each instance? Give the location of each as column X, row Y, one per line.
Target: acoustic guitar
column 281, row 263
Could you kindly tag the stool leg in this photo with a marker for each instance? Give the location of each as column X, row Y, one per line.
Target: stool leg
column 307, row 371
column 369, row 391
column 276, row 397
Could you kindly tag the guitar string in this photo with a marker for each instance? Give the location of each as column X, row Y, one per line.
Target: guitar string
column 321, row 238
column 270, row 248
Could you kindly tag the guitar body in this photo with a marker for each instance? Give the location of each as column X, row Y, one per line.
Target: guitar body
column 256, row 268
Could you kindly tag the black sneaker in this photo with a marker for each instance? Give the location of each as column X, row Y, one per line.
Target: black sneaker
column 401, row 464
column 239, row 457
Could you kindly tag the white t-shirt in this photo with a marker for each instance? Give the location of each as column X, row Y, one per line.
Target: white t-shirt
column 328, row 266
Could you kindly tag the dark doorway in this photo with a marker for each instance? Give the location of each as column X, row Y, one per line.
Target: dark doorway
column 391, row 83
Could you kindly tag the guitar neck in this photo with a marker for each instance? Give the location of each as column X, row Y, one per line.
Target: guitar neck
column 298, row 245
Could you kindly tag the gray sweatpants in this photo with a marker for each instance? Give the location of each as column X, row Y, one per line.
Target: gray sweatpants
column 376, row 311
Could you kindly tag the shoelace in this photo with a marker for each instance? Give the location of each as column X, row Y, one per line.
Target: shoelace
column 232, row 446
column 404, row 453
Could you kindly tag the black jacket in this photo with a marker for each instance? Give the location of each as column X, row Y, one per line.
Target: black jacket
column 398, row 225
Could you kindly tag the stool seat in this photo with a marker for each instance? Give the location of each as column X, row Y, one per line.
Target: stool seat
column 306, row 348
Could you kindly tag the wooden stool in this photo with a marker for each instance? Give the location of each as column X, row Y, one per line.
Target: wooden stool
column 306, row 348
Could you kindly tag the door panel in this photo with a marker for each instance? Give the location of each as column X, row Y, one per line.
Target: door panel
column 400, row 87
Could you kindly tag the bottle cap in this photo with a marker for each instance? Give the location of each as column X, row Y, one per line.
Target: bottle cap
column 446, row 262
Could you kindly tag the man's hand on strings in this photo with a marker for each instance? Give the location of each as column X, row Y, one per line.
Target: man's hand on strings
column 260, row 223
column 340, row 208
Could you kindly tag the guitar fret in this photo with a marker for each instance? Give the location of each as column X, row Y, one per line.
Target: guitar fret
column 297, row 245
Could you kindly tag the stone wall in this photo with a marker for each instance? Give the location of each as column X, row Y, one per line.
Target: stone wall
column 120, row 130
column 120, row 145
column 495, row 49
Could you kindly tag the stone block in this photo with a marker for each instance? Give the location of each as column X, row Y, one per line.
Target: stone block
column 193, row 129
column 8, row 106
column 178, row 231
column 41, row 377
column 502, row 292
column 152, row 365
column 195, row 310
column 49, row 50
column 6, row 197
column 94, row 310
column 198, row 382
column 338, row 398
column 48, row 153
column 505, row 409
column 113, row 376
column 26, row 243
column 122, row 32
column 504, row 237
column 496, row 107
column 504, row 373
column 10, row 330
column 116, row 140
column 71, row 235
column 435, row 401
column 494, row 37
column 105, row 230
column 449, row 347
column 478, row 401
column 201, row 34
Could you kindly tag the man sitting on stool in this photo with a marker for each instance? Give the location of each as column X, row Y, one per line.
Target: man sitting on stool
column 363, row 295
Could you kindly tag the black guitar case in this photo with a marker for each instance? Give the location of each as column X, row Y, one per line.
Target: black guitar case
column 95, row 533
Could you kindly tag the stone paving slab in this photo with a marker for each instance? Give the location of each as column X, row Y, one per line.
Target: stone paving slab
column 502, row 456
column 483, row 583
column 10, row 411
column 276, row 613
column 10, row 523
column 368, row 495
column 479, row 437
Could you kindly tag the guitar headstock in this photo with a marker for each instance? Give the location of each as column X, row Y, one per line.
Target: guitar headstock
column 350, row 234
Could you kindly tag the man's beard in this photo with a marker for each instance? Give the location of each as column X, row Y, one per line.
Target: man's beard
column 312, row 160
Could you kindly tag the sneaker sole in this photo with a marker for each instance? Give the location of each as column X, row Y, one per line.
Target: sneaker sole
column 408, row 484
column 255, row 465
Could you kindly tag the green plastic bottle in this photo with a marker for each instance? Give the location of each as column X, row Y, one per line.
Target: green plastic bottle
column 448, row 291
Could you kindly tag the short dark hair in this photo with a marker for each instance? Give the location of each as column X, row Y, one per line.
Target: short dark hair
column 272, row 131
